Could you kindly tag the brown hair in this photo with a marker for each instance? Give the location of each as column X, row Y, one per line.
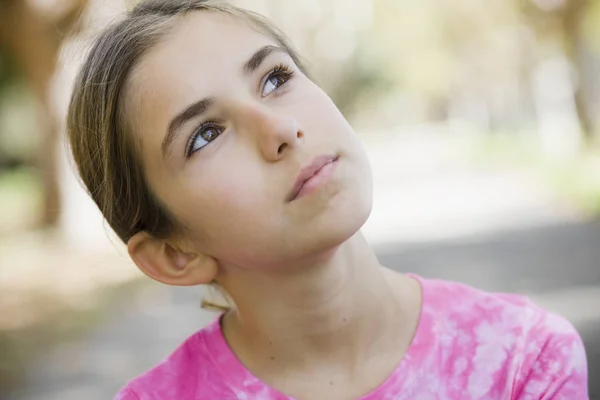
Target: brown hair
column 99, row 134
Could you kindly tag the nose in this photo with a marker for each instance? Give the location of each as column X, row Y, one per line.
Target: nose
column 275, row 133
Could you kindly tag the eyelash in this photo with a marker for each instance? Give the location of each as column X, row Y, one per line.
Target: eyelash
column 280, row 70
column 189, row 148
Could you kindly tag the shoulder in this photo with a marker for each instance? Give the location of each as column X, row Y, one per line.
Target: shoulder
column 468, row 304
column 554, row 362
column 472, row 308
column 532, row 352
column 188, row 373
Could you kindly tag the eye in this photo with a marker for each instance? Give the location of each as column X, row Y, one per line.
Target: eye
column 277, row 77
column 203, row 136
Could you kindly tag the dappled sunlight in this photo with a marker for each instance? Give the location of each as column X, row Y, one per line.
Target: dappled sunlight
column 428, row 188
column 479, row 119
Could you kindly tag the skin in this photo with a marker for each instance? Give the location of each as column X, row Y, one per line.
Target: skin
column 316, row 316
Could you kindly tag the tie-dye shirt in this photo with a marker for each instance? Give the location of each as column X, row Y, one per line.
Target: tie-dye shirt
column 469, row 344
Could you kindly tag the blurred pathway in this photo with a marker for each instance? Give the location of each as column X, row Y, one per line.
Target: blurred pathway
column 434, row 215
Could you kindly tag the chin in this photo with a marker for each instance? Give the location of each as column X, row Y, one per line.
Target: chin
column 352, row 206
column 343, row 221
column 334, row 215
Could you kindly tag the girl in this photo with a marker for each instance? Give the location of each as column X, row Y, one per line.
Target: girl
column 215, row 157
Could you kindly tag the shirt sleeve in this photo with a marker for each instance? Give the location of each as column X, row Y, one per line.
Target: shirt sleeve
column 126, row 394
column 559, row 371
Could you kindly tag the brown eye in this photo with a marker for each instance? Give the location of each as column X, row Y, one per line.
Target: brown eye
column 279, row 76
column 203, row 136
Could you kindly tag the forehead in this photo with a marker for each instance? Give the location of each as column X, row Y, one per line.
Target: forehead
column 199, row 57
column 201, row 43
column 206, row 35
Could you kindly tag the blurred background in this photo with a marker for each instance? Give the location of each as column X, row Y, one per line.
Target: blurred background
column 481, row 120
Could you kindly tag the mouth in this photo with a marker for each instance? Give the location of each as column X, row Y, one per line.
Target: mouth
column 313, row 176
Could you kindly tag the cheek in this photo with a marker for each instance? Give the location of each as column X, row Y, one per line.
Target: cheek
column 224, row 197
column 233, row 218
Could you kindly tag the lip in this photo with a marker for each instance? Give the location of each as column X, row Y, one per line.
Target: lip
column 309, row 172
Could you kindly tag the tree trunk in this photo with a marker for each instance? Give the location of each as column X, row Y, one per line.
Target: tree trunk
column 34, row 44
column 574, row 45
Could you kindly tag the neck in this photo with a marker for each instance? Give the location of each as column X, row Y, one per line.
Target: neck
column 338, row 310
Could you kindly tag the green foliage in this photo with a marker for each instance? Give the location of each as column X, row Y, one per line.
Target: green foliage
column 591, row 25
column 577, row 178
column 8, row 73
column 21, row 196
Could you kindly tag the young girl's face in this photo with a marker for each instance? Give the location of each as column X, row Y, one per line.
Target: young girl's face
column 225, row 122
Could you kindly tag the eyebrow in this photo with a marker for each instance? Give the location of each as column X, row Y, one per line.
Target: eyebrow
column 201, row 106
column 197, row 108
column 257, row 58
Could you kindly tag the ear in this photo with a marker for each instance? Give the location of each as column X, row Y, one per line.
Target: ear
column 166, row 263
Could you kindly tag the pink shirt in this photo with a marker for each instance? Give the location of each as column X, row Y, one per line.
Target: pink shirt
column 469, row 344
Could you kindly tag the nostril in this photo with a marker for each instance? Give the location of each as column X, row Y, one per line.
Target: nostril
column 281, row 148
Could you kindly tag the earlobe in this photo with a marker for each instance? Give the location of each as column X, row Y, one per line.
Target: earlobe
column 164, row 262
